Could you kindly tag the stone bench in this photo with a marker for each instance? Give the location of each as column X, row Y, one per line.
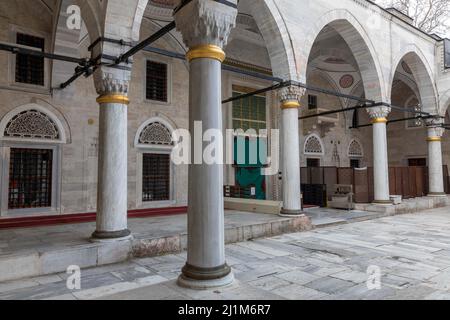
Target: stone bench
column 252, row 205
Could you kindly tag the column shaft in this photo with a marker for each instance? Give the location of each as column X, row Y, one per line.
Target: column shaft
column 206, row 206
column 435, row 169
column 112, row 170
column 291, row 162
column 380, row 154
column 205, row 27
column 380, row 164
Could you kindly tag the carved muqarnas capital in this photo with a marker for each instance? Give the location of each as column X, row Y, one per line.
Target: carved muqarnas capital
column 434, row 126
column 378, row 112
column 204, row 22
column 291, row 93
column 434, row 122
column 111, row 81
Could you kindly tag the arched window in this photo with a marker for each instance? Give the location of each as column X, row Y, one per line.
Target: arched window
column 313, row 145
column 155, row 171
column 355, row 150
column 31, row 136
column 156, row 133
column 32, row 124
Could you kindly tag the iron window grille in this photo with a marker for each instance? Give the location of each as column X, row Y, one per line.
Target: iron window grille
column 30, row 178
column 30, row 69
column 156, row 177
column 250, row 112
column 312, row 102
column 156, row 81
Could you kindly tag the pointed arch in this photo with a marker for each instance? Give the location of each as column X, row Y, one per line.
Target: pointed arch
column 444, row 103
column 422, row 73
column 276, row 37
column 351, row 30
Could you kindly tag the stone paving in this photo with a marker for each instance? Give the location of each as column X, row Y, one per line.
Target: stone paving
column 412, row 252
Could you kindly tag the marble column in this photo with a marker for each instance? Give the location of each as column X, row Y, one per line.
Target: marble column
column 205, row 26
column 290, row 103
column 378, row 116
column 112, row 87
column 435, row 169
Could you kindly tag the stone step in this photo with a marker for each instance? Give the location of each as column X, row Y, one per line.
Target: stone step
column 252, row 205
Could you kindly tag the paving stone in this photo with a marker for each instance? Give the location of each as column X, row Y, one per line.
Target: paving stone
column 329, row 285
column 297, row 292
column 331, row 263
column 298, row 277
column 351, row 275
column 361, row 292
column 411, row 293
column 269, row 283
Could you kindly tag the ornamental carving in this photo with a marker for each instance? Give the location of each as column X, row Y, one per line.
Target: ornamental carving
column 291, row 93
column 32, row 124
column 346, row 81
column 156, row 134
column 111, row 81
column 378, row 112
column 313, row 145
column 355, row 149
column 206, row 22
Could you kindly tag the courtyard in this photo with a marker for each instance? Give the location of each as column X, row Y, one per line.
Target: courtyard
column 411, row 251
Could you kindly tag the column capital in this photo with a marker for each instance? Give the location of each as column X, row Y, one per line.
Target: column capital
column 378, row 114
column 206, row 23
column 290, row 96
column 112, row 84
column 434, row 121
column 435, row 130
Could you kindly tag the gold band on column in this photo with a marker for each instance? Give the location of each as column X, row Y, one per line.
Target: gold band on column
column 434, row 139
column 290, row 105
column 209, row 51
column 379, row 120
column 113, row 98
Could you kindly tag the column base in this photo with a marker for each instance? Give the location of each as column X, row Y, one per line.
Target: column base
column 437, row 194
column 383, row 202
column 205, row 278
column 100, row 236
column 290, row 213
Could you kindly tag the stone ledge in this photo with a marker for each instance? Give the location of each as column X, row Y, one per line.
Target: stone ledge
column 252, row 205
column 35, row 263
column 407, row 206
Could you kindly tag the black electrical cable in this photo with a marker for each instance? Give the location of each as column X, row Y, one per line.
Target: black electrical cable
column 325, row 113
column 160, row 33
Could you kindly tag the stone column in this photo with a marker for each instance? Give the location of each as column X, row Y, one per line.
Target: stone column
column 378, row 116
column 435, row 170
column 290, row 103
column 205, row 26
column 112, row 87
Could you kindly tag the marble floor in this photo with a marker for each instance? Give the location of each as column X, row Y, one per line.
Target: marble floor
column 411, row 252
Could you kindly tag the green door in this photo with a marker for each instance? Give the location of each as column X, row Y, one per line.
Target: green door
column 249, row 158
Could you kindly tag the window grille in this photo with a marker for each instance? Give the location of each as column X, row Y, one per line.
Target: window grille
column 250, row 112
column 156, row 177
column 312, row 102
column 156, row 134
column 313, row 145
column 30, row 69
column 32, row 124
column 156, row 83
column 355, row 149
column 30, row 178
